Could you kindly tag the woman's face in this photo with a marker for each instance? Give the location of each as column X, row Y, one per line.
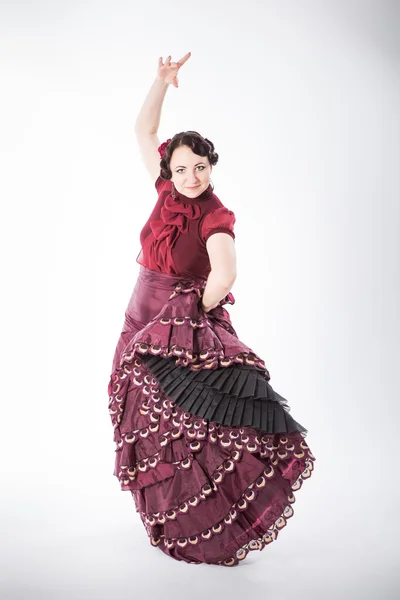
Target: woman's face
column 190, row 170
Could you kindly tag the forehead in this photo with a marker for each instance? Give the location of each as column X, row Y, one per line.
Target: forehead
column 185, row 156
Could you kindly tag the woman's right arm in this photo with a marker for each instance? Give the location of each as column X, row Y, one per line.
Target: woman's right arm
column 148, row 120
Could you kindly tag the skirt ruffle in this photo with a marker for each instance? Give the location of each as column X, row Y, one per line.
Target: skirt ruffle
column 207, row 448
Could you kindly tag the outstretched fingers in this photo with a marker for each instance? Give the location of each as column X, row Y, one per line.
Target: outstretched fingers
column 175, row 65
column 184, row 59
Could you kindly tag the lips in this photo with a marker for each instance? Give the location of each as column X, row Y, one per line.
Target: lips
column 193, row 188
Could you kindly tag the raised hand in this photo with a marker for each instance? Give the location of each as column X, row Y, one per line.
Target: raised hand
column 168, row 71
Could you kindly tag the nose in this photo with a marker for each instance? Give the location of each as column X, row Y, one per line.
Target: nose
column 193, row 179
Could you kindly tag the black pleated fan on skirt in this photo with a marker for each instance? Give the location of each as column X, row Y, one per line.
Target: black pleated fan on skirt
column 238, row 395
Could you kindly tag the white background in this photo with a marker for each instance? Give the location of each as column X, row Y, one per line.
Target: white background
column 301, row 100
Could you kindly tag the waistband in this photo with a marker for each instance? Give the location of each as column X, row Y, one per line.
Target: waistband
column 166, row 281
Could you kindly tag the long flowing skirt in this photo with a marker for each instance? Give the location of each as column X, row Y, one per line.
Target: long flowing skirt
column 207, row 448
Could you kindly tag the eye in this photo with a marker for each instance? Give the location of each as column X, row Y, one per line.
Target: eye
column 202, row 167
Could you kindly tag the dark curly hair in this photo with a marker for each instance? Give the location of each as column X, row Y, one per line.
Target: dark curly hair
column 192, row 139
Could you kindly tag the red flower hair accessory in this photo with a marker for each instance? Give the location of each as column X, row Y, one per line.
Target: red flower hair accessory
column 161, row 148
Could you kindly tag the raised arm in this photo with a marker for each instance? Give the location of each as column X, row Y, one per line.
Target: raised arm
column 148, row 120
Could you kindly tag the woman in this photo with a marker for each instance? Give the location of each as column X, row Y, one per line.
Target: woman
column 207, row 448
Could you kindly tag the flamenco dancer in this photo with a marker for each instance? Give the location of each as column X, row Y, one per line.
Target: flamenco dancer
column 204, row 444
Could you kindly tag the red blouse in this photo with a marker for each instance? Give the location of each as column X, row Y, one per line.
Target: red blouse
column 174, row 237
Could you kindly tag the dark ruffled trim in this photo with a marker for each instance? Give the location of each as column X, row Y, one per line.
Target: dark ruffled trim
column 237, row 395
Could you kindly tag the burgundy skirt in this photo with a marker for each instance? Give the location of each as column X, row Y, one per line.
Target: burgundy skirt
column 207, row 448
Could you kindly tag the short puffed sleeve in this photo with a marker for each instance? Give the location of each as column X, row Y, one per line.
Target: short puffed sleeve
column 220, row 220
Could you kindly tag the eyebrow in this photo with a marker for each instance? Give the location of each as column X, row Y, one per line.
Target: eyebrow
column 182, row 167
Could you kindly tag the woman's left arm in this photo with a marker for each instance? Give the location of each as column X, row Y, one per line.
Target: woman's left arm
column 222, row 254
